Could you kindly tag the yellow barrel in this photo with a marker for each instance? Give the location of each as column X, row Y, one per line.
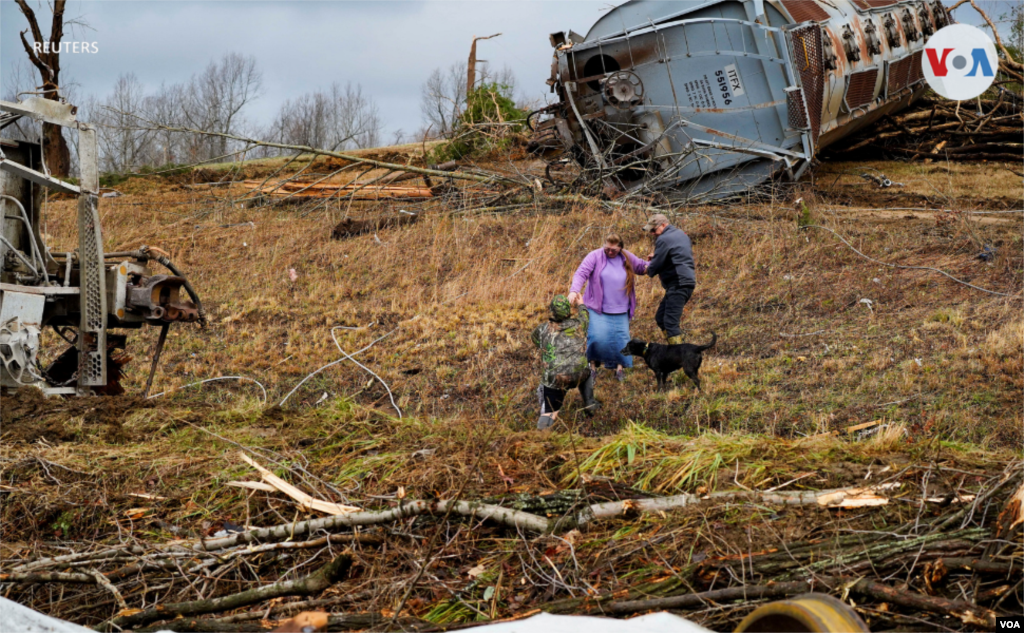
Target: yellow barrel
column 809, row 613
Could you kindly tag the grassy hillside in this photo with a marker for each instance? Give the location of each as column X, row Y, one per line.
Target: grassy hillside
column 799, row 352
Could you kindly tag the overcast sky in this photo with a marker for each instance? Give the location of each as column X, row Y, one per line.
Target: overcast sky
column 388, row 47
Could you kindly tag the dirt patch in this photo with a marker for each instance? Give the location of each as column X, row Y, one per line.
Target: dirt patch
column 349, row 227
column 29, row 416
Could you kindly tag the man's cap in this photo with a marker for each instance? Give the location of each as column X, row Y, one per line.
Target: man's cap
column 654, row 222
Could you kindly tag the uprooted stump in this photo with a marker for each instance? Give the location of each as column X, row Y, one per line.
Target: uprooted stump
column 349, row 227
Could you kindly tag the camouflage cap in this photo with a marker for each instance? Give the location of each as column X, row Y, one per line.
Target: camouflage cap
column 561, row 309
column 654, row 222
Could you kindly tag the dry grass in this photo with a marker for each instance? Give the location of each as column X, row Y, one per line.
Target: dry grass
column 464, row 292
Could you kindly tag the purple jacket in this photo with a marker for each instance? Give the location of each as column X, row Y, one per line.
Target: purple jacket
column 589, row 273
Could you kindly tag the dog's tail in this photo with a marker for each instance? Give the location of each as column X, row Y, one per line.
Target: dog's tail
column 714, row 339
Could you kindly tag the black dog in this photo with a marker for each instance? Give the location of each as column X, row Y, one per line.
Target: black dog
column 665, row 359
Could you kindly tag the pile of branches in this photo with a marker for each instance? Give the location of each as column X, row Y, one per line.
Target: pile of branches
column 984, row 129
column 989, row 128
column 956, row 562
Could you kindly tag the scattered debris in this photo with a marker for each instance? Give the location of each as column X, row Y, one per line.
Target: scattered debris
column 350, row 227
column 881, row 180
column 986, row 254
column 82, row 295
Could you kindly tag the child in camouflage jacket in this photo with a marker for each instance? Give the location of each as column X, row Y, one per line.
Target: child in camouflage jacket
column 563, row 344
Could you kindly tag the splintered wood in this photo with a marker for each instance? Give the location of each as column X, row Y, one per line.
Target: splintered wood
column 1012, row 515
column 276, row 483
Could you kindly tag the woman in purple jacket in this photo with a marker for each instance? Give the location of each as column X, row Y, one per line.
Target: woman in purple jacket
column 609, row 274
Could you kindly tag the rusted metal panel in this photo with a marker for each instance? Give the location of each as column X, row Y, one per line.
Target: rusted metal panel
column 898, row 76
column 867, row 5
column 916, row 69
column 860, row 89
column 805, row 10
column 903, row 74
column 807, row 49
column 796, row 109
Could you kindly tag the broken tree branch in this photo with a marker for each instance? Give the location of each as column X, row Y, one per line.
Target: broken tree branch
column 326, row 576
column 489, row 179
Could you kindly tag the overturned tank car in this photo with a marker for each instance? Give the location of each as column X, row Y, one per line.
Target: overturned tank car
column 60, row 312
column 709, row 98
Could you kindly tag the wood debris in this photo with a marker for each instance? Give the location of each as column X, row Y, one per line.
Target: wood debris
column 305, row 501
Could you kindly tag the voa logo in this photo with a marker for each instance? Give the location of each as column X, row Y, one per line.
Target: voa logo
column 960, row 62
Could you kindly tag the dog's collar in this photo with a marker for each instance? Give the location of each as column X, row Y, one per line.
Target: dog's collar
column 646, row 347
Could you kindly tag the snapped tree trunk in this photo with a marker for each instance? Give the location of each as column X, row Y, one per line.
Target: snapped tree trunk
column 55, row 149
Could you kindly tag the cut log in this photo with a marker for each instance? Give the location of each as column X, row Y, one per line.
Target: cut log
column 305, row 622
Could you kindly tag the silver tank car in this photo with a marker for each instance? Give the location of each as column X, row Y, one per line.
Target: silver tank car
column 706, row 99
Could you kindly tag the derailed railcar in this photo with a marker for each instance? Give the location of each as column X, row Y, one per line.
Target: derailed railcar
column 711, row 98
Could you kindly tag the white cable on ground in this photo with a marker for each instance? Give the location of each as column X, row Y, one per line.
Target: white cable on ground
column 331, row 364
column 871, row 259
column 370, row 371
column 784, row 335
column 201, row 382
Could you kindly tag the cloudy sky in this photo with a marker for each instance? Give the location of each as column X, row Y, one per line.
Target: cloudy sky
column 388, row 47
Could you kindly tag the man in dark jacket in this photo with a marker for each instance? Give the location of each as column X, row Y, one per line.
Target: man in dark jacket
column 672, row 262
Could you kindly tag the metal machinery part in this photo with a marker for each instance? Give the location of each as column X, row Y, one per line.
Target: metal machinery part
column 624, row 90
column 739, row 91
column 19, row 347
column 86, row 291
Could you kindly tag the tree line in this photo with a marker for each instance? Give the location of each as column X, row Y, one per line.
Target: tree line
column 219, row 99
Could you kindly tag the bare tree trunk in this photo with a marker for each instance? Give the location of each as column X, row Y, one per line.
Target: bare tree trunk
column 56, row 154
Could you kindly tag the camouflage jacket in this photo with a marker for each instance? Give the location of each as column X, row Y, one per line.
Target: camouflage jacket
column 563, row 347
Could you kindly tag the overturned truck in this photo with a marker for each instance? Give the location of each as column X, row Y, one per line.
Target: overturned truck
column 60, row 312
column 707, row 99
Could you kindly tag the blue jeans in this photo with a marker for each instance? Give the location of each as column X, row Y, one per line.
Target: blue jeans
column 606, row 336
